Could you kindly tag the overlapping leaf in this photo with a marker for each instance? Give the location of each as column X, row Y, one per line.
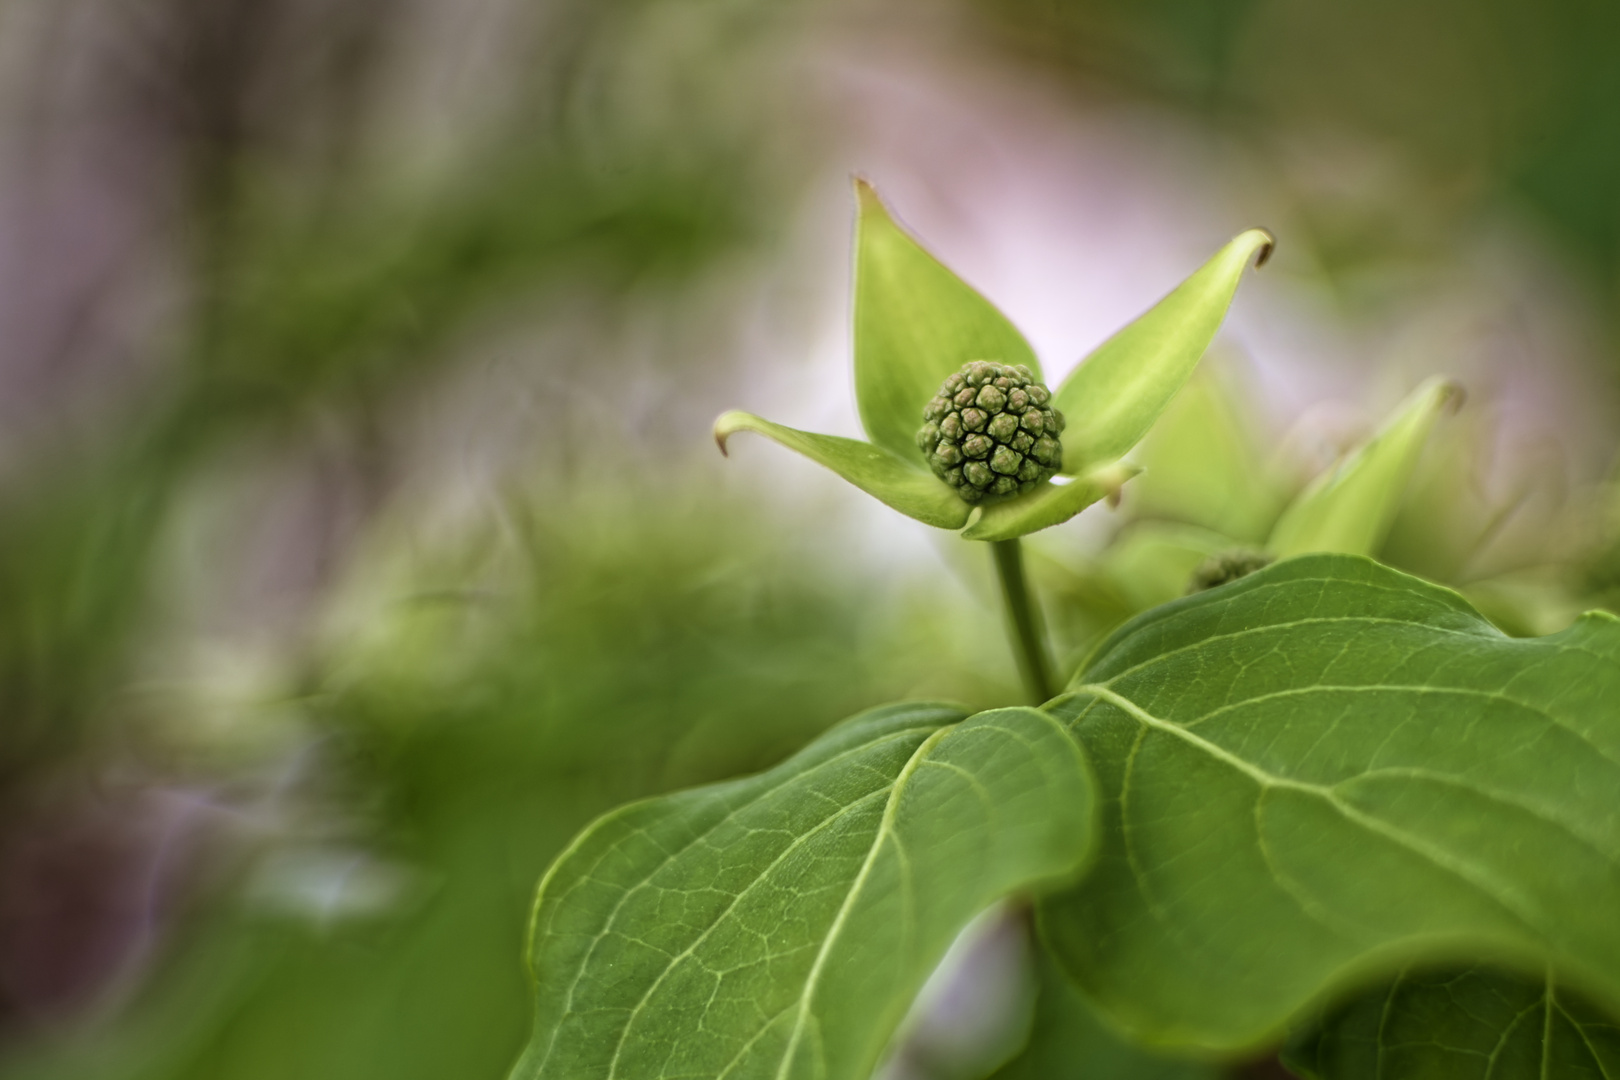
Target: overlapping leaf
column 1325, row 767
column 779, row 926
column 1477, row 1023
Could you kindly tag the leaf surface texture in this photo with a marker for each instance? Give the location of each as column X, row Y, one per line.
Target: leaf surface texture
column 1478, row 1023
column 1324, row 767
column 779, row 926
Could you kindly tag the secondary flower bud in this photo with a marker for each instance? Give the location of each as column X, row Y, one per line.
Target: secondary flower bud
column 991, row 430
column 1227, row 566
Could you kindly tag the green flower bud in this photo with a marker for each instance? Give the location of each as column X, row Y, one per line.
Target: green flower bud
column 1227, row 566
column 999, row 421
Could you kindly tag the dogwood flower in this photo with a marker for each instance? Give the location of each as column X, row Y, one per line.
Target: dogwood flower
column 917, row 324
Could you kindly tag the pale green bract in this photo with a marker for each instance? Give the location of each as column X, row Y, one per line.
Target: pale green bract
column 778, row 927
column 1323, row 769
column 1477, row 1023
column 1349, row 508
column 1115, row 395
column 916, row 322
column 1208, row 492
column 888, row 476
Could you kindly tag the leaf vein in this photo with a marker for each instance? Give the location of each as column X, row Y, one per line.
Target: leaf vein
column 653, row 871
column 885, row 829
column 1441, row 860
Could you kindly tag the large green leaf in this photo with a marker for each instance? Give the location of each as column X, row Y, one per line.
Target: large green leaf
column 1115, row 395
column 1326, row 768
column 779, row 926
column 1478, row 1023
column 1350, row 507
column 908, row 487
column 915, row 323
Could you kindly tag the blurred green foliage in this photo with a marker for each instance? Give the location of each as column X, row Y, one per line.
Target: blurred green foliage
column 1457, row 1025
column 605, row 667
column 484, row 701
column 1491, row 101
column 325, row 316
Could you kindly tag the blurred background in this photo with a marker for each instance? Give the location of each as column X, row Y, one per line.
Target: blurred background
column 361, row 536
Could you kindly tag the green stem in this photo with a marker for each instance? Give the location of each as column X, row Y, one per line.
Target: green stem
column 1024, row 619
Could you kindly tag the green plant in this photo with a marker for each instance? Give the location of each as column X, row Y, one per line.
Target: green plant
column 1242, row 814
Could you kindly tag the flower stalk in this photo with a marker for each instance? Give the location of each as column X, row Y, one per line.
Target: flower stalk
column 1023, row 620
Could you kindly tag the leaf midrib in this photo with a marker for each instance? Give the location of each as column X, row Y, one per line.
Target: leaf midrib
column 1264, row 628
column 885, row 830
column 1493, row 891
column 1579, row 1028
column 837, row 815
column 765, row 791
column 1460, row 691
column 1594, row 843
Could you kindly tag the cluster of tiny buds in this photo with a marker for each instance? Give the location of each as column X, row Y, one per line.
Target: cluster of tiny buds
column 991, row 430
column 1227, row 566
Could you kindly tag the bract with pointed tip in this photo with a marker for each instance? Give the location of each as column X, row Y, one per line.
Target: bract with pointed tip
column 916, row 323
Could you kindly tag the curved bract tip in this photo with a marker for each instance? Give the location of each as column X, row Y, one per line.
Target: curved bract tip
column 1453, row 395
column 1117, row 393
column 866, row 195
column 728, row 424
column 1267, row 244
column 904, row 483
